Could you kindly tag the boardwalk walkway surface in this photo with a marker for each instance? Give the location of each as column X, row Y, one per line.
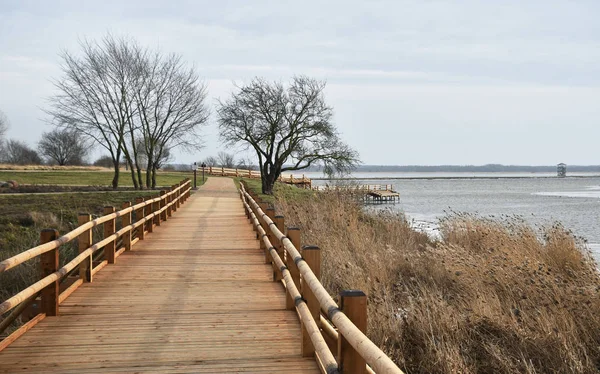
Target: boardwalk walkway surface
column 195, row 297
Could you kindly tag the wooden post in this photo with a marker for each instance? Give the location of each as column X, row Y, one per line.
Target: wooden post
column 156, row 208
column 293, row 233
column 222, row 171
column 126, row 221
column 312, row 256
column 354, row 306
column 49, row 264
column 168, row 202
column 280, row 223
column 85, row 240
column 271, row 214
column 109, row 229
column 174, row 199
column 139, row 214
column 163, row 203
column 263, row 206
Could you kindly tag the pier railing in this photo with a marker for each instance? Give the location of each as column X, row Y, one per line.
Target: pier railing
column 358, row 188
column 334, row 334
column 136, row 221
column 254, row 174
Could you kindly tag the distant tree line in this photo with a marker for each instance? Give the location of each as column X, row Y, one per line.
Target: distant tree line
column 56, row 147
column 489, row 168
column 229, row 161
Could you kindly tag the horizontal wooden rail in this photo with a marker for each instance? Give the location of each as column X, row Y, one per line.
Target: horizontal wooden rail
column 326, row 357
column 48, row 250
column 373, row 356
column 245, row 173
column 359, row 188
column 43, row 248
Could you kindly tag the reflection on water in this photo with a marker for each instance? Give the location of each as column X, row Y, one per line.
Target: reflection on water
column 575, row 202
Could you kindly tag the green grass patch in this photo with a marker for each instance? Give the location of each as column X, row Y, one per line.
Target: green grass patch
column 281, row 190
column 87, row 178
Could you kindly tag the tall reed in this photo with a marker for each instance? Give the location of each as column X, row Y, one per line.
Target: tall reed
column 489, row 296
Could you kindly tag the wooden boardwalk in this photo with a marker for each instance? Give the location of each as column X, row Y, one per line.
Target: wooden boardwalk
column 194, row 297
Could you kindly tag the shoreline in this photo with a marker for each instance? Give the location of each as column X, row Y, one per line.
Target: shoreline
column 453, row 177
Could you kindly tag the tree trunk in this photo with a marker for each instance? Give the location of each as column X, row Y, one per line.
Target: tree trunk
column 149, row 168
column 139, row 176
column 115, row 181
column 268, row 182
column 153, row 177
column 135, row 182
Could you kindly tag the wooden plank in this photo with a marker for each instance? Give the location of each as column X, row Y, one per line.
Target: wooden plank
column 21, row 330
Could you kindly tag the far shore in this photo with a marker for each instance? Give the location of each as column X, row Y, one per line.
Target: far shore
column 456, row 177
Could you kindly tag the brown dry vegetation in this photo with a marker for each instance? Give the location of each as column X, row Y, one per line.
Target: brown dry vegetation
column 489, row 297
column 53, row 167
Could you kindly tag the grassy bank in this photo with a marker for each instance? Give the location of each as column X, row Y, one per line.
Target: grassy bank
column 85, row 177
column 489, row 297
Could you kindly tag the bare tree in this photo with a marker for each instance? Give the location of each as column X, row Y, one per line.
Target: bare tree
column 142, row 158
column 19, row 153
column 125, row 97
column 226, row 160
column 93, row 95
column 104, row 161
column 4, row 125
column 209, row 161
column 170, row 100
column 64, row 147
column 288, row 128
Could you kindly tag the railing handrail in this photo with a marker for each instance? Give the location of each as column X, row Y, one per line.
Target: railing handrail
column 359, row 187
column 325, row 355
column 372, row 354
column 66, row 238
column 11, row 262
column 219, row 170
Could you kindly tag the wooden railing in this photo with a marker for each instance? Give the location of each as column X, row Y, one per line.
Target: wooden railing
column 334, row 335
column 245, row 173
column 359, row 188
column 148, row 214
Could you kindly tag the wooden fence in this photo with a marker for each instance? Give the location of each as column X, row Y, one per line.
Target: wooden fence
column 302, row 181
column 358, row 188
column 136, row 221
column 334, row 335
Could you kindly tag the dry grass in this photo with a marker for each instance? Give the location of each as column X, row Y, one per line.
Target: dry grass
column 489, row 297
column 52, row 167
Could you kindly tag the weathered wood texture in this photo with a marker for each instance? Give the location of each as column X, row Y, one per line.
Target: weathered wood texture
column 195, row 297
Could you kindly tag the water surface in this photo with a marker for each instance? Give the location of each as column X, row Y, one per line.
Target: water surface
column 575, row 202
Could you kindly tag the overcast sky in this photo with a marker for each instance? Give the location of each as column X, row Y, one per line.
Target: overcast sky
column 411, row 82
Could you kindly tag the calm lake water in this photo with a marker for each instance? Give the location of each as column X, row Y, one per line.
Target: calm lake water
column 573, row 201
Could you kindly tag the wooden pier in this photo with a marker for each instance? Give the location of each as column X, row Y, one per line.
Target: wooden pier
column 370, row 193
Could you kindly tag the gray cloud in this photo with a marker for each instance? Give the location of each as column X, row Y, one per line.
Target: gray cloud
column 411, row 81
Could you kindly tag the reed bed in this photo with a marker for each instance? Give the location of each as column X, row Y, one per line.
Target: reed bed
column 488, row 296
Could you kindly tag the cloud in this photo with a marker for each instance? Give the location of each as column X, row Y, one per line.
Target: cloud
column 413, row 69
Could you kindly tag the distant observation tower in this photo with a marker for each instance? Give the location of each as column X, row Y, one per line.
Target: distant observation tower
column 561, row 170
